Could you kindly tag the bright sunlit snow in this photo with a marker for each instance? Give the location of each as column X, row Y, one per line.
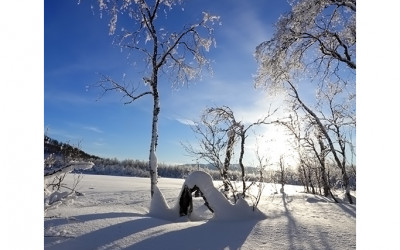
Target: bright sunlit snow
column 113, row 213
column 223, row 209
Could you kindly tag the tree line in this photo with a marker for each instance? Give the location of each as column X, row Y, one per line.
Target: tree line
column 310, row 177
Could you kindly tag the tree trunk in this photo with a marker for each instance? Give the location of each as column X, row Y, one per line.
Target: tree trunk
column 318, row 178
column 346, row 184
column 242, row 136
column 325, row 181
column 153, row 164
column 306, row 180
column 185, row 202
column 228, row 155
column 321, row 159
column 310, row 179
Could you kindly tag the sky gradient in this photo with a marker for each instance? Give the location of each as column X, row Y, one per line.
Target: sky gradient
column 77, row 48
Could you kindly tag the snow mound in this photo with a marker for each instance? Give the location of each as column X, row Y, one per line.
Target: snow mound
column 159, row 207
column 223, row 209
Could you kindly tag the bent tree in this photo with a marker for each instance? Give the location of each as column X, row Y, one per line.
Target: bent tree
column 315, row 42
column 216, row 140
column 180, row 55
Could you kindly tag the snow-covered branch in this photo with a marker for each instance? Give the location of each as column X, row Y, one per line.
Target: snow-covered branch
column 316, row 36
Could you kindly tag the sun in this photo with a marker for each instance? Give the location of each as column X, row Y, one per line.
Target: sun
column 271, row 144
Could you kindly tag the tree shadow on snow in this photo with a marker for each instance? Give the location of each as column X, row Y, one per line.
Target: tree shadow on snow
column 85, row 218
column 291, row 225
column 348, row 208
column 104, row 236
column 343, row 203
column 208, row 236
column 298, row 235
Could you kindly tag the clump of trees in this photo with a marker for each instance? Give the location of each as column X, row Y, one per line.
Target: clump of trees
column 316, row 43
column 139, row 168
column 218, row 132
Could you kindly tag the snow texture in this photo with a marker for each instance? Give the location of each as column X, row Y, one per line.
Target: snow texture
column 113, row 213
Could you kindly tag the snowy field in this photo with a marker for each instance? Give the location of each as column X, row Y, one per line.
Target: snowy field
column 113, row 213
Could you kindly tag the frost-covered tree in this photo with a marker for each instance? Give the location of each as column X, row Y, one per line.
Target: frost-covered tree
column 216, row 139
column 241, row 131
column 322, row 125
column 316, row 38
column 314, row 42
column 176, row 52
column 219, row 131
column 336, row 108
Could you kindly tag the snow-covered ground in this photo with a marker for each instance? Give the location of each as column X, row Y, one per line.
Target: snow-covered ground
column 113, row 213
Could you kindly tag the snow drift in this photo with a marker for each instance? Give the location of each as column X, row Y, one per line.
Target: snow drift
column 222, row 208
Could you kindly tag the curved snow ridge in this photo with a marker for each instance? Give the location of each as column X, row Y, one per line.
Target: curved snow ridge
column 223, row 209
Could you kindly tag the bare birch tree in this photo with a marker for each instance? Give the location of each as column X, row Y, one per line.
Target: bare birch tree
column 180, row 55
column 242, row 133
column 318, row 122
column 340, row 122
column 215, row 143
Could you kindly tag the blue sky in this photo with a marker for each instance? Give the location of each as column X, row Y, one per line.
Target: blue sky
column 77, row 48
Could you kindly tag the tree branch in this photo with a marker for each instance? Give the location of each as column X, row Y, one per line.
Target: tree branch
column 115, row 86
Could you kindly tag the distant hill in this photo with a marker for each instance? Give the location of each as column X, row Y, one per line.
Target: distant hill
column 52, row 146
column 105, row 166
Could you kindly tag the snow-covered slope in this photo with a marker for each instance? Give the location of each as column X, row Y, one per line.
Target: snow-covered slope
column 114, row 214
